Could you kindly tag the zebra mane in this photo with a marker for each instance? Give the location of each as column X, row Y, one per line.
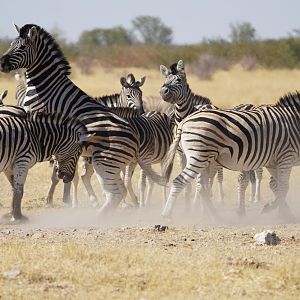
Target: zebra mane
column 173, row 69
column 289, row 100
column 50, row 41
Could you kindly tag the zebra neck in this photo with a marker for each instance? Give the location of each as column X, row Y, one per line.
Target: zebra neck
column 187, row 105
column 184, row 107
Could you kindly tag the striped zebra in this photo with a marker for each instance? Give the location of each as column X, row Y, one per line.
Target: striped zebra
column 130, row 97
column 267, row 136
column 155, row 134
column 115, row 143
column 176, row 91
column 35, row 137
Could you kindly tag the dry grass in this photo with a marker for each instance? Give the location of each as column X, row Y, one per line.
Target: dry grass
column 123, row 257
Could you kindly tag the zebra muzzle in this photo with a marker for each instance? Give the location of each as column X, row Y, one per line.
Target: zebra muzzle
column 64, row 176
column 4, row 64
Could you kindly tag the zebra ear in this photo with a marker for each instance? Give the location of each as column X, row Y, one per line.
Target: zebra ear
column 164, row 70
column 17, row 28
column 2, row 96
column 180, row 66
column 130, row 79
column 124, row 82
column 32, row 32
column 141, row 82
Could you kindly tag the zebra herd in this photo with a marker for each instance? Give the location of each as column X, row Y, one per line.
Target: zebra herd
column 113, row 134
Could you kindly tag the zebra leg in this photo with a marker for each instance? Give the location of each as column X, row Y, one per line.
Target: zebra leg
column 86, row 175
column 258, row 179
column 75, row 182
column 243, row 181
column 17, row 179
column 128, row 183
column 149, row 191
column 220, row 183
column 188, row 187
column 67, row 193
column 113, row 187
column 198, row 191
column 142, row 188
column 205, row 191
column 53, row 184
column 185, row 177
column 281, row 176
column 252, row 179
column 164, row 193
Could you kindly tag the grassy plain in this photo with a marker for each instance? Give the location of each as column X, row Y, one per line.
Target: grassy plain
column 71, row 254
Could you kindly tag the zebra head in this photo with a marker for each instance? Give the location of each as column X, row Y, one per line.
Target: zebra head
column 131, row 93
column 175, row 86
column 22, row 52
column 33, row 47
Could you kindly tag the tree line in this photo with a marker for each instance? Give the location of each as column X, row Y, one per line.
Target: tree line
column 149, row 43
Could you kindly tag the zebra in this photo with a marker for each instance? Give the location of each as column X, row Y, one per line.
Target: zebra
column 35, row 137
column 176, row 89
column 130, row 96
column 266, row 136
column 155, row 136
column 115, row 144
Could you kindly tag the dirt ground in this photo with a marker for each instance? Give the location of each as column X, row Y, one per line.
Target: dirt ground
column 64, row 253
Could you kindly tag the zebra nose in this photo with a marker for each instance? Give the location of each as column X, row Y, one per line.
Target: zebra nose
column 4, row 64
column 164, row 91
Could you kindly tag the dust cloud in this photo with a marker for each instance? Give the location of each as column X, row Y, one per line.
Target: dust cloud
column 226, row 215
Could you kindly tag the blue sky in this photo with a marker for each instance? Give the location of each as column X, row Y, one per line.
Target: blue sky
column 191, row 20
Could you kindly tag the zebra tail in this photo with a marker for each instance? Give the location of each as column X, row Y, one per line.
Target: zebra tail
column 169, row 158
column 152, row 174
